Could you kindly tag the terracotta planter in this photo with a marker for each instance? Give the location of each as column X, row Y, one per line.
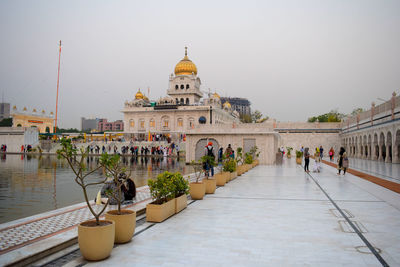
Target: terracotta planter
column 227, row 176
column 299, row 160
column 197, row 190
column 233, row 175
column 180, row 203
column 158, row 213
column 211, row 185
column 96, row 242
column 124, row 224
column 220, row 179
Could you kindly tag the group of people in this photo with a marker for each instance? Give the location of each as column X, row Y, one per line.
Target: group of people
column 342, row 161
column 26, row 148
column 209, row 152
column 136, row 150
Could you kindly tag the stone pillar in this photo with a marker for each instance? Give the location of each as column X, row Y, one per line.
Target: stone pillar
column 369, row 152
column 373, row 152
column 380, row 158
column 387, row 159
column 395, row 151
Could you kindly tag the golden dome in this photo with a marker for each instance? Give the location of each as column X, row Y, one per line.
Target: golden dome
column 14, row 107
column 227, row 105
column 25, row 109
column 34, row 110
column 139, row 95
column 216, row 95
column 185, row 66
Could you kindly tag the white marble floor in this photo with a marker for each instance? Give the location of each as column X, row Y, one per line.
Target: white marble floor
column 274, row 216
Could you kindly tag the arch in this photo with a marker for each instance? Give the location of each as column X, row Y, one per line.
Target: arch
column 182, row 86
column 180, row 122
column 47, row 129
column 131, row 123
column 152, row 123
column 369, row 146
column 376, row 146
column 19, row 125
column 187, row 101
column 382, row 146
column 165, row 122
column 187, row 86
column 177, row 101
column 176, row 87
column 397, row 147
column 200, row 147
column 182, row 101
column 191, row 123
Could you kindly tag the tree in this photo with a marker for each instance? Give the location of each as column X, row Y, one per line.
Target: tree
column 245, row 118
column 8, row 122
column 332, row 116
column 357, row 111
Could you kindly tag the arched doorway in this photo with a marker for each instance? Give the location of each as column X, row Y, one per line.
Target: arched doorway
column 397, row 147
column 200, row 147
column 376, row 146
column 365, row 146
column 369, row 146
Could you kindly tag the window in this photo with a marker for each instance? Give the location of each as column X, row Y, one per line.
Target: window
column 166, row 122
column 182, row 86
column 132, row 123
column 176, row 87
column 187, row 101
column 177, row 101
column 180, row 122
column 152, row 123
column 142, row 124
column 182, row 101
column 187, row 86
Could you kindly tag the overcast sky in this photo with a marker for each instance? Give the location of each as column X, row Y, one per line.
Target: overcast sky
column 291, row 59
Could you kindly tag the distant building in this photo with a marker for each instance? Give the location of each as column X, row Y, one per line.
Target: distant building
column 241, row 105
column 44, row 122
column 4, row 110
column 89, row 124
column 104, row 125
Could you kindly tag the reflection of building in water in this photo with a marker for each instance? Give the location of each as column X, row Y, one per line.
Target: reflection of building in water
column 181, row 110
column 44, row 122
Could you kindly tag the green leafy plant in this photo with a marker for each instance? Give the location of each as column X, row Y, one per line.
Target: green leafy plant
column 197, row 168
column 239, row 155
column 208, row 160
column 181, row 185
column 115, row 170
column 248, row 158
column 81, row 172
column 289, row 149
column 162, row 189
column 299, row 154
column 229, row 165
column 254, row 152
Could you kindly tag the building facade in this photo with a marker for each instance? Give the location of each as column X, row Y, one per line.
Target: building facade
column 241, row 105
column 40, row 120
column 115, row 126
column 4, row 110
column 182, row 109
column 89, row 124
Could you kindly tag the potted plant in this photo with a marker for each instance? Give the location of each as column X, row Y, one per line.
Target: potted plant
column 95, row 237
column 248, row 160
column 210, row 182
column 239, row 161
column 125, row 220
column 162, row 191
column 181, row 189
column 230, row 168
column 256, row 154
column 299, row 156
column 289, row 150
column 197, row 189
column 221, row 177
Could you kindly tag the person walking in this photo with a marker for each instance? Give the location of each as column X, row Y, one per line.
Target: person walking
column 228, row 151
column 220, row 152
column 209, row 152
column 306, row 160
column 340, row 160
column 321, row 152
column 345, row 163
column 331, row 154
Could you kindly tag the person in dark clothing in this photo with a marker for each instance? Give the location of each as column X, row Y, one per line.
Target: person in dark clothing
column 340, row 160
column 220, row 152
column 306, row 159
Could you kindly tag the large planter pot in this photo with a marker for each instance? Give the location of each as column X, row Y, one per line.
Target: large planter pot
column 96, row 242
column 158, row 213
column 125, row 224
column 240, row 170
column 288, row 156
column 211, row 185
column 247, row 167
column 233, row 175
column 180, row 203
column 299, row 160
column 220, row 179
column 227, row 176
column 256, row 162
column 197, row 190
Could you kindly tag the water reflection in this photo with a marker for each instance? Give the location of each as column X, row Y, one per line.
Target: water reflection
column 34, row 184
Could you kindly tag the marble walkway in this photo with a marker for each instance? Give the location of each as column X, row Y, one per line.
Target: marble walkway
column 275, row 216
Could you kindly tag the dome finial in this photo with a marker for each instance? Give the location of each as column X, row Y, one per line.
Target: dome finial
column 185, row 50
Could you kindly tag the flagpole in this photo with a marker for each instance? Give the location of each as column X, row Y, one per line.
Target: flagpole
column 58, row 83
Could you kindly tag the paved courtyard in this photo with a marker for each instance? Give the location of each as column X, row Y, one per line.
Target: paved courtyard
column 275, row 216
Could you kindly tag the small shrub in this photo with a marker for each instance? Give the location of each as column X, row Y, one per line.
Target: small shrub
column 162, row 188
column 248, row 158
column 299, row 154
column 229, row 165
